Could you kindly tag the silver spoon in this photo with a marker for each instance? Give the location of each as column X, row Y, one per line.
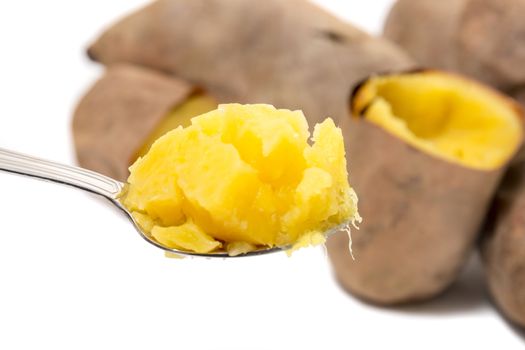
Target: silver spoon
column 104, row 186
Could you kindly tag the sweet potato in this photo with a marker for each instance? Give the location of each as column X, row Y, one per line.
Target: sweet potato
column 503, row 247
column 428, row 154
column 480, row 38
column 116, row 119
column 290, row 54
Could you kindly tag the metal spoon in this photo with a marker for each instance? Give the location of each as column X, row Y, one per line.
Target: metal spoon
column 104, row 186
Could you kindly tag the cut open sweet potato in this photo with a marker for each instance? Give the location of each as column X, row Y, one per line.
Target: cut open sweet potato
column 125, row 111
column 483, row 39
column 429, row 149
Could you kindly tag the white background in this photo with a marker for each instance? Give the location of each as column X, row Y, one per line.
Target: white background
column 74, row 274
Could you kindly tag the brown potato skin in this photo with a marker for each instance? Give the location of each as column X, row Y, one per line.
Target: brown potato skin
column 119, row 112
column 426, row 29
column 519, row 95
column 480, row 38
column 506, row 231
column 503, row 246
column 288, row 53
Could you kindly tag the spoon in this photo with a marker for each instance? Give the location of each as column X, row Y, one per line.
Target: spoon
column 111, row 189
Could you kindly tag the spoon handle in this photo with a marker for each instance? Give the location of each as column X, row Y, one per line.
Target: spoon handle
column 83, row 179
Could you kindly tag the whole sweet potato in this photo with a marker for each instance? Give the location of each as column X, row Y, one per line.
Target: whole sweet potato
column 290, row 53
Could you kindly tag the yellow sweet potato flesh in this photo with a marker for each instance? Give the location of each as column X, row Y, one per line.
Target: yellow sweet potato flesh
column 180, row 115
column 445, row 115
column 242, row 177
column 187, row 236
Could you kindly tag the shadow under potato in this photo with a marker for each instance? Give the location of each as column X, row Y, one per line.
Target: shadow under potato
column 517, row 330
column 468, row 294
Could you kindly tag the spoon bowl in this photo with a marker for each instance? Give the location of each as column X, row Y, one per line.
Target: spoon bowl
column 110, row 189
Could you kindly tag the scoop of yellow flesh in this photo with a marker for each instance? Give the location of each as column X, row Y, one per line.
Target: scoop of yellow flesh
column 242, row 177
column 444, row 115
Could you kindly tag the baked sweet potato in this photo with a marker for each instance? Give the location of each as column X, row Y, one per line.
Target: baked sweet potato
column 290, row 54
column 428, row 149
column 503, row 246
column 125, row 111
column 482, row 38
